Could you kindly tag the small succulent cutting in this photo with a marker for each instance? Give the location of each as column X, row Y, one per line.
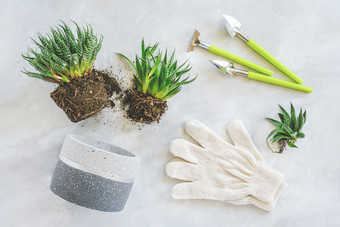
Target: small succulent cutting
column 158, row 75
column 289, row 128
column 62, row 56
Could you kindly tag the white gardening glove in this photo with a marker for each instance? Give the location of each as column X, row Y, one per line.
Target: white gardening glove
column 208, row 167
column 241, row 139
column 177, row 168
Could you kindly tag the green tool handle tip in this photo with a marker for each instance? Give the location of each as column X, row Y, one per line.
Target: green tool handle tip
column 279, row 82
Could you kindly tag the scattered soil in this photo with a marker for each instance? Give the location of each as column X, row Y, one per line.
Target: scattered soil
column 87, row 95
column 143, row 108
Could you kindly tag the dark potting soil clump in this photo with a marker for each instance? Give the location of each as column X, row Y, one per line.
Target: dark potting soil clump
column 86, row 95
column 143, row 108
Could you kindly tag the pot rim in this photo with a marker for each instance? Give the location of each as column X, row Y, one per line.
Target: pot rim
column 79, row 139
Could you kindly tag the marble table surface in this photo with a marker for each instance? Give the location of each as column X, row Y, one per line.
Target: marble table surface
column 302, row 34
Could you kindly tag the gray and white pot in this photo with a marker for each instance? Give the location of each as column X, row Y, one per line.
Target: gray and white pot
column 94, row 174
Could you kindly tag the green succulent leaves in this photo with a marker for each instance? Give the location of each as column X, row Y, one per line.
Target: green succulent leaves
column 63, row 56
column 157, row 74
column 289, row 127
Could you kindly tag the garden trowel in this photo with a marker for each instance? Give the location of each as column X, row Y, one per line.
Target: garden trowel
column 213, row 49
column 228, row 69
column 233, row 27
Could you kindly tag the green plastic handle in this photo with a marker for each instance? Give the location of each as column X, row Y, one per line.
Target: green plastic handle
column 257, row 48
column 215, row 50
column 283, row 83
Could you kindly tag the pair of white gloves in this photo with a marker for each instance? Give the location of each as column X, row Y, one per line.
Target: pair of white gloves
column 217, row 170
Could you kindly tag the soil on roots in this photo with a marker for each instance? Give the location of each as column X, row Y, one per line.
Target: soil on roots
column 143, row 108
column 86, row 95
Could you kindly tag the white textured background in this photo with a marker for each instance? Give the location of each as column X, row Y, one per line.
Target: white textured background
column 304, row 35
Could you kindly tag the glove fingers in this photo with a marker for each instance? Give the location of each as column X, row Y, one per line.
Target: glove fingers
column 187, row 151
column 241, row 138
column 183, row 170
column 204, row 190
column 190, row 190
column 203, row 135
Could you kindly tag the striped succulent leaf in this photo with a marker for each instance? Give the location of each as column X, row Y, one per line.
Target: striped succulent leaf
column 157, row 74
column 62, row 55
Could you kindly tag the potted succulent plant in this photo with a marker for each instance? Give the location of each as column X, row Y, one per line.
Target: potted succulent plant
column 67, row 60
column 157, row 79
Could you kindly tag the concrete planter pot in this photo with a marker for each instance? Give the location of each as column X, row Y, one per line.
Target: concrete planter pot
column 94, row 174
